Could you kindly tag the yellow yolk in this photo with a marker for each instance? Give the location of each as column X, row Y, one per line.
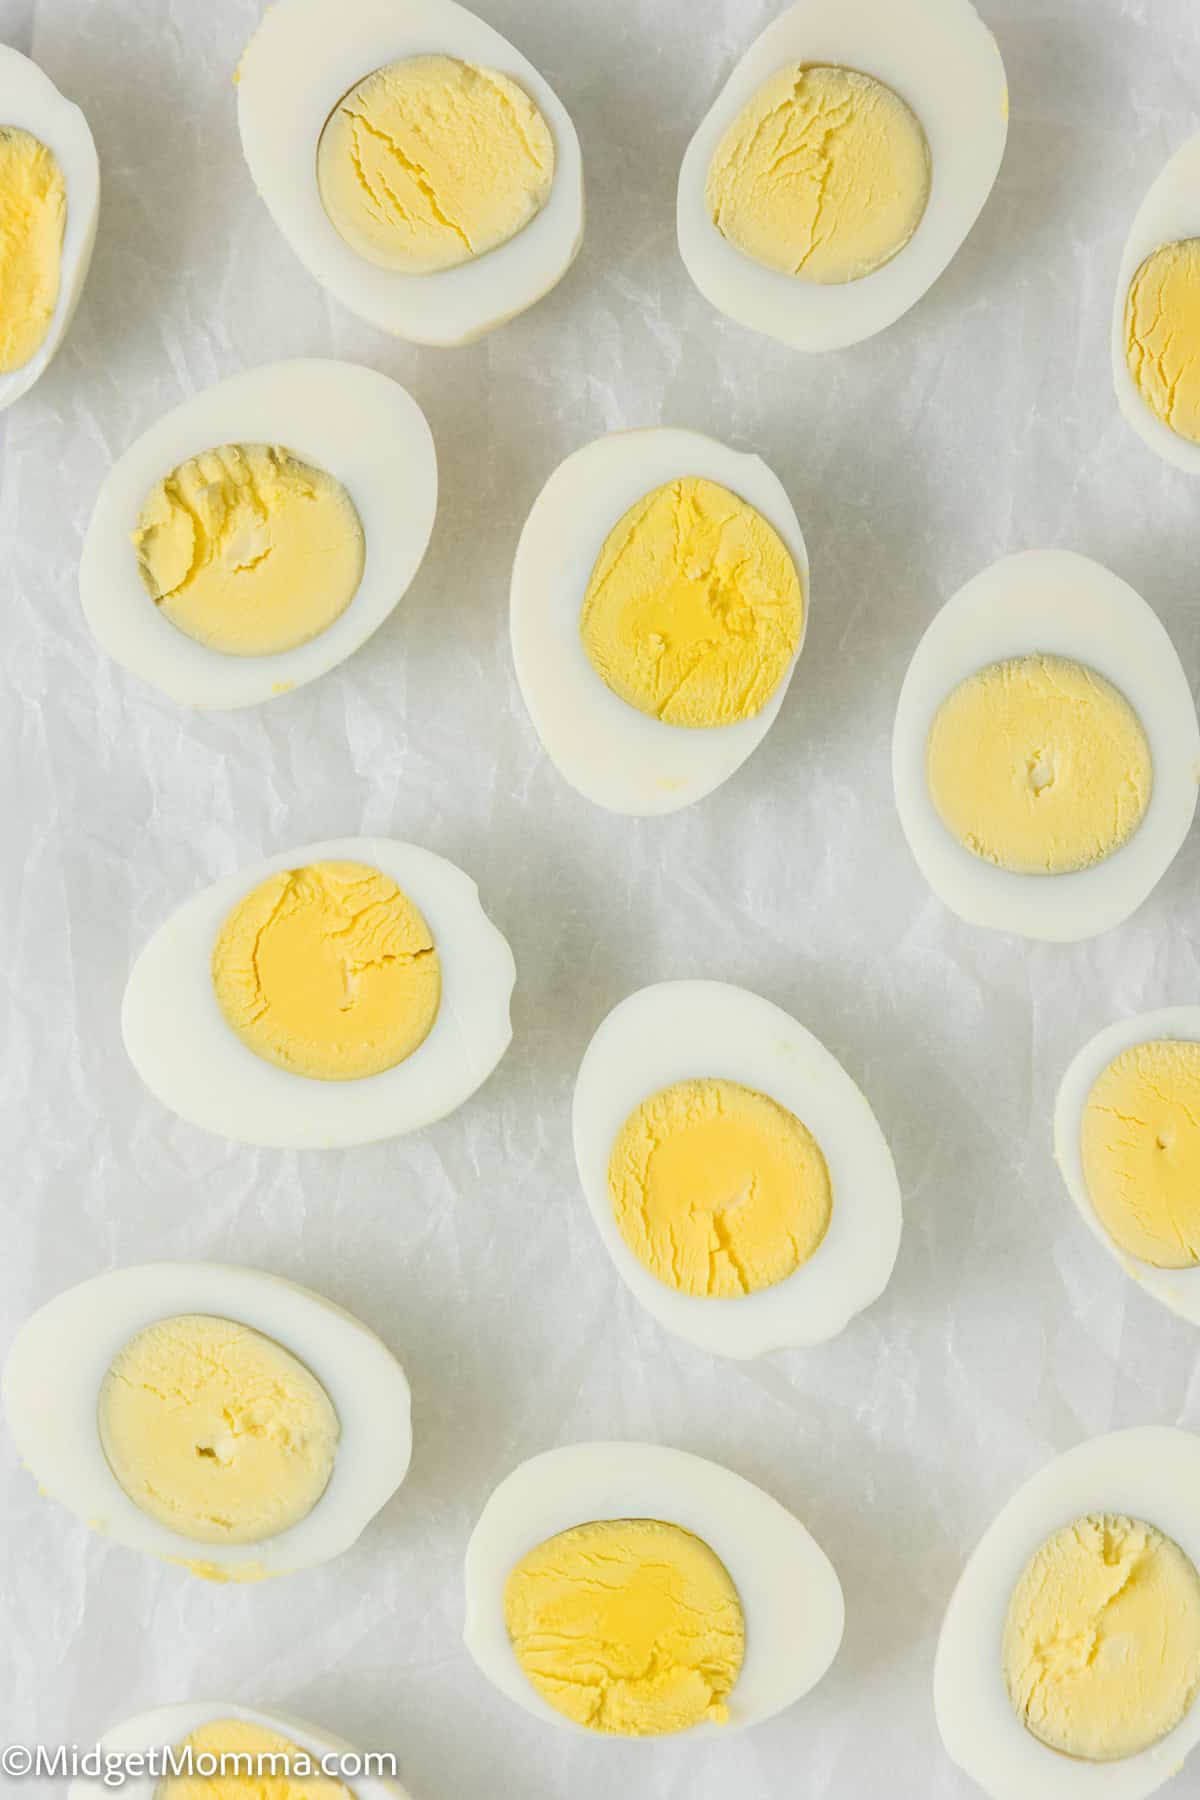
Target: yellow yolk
column 33, row 216
column 1039, row 766
column 328, row 971
column 1141, row 1152
column 694, row 609
column 249, row 1763
column 1162, row 335
column 216, row 1431
column 249, row 550
column 430, row 162
column 718, row 1190
column 1101, row 1647
column 627, row 1626
column 825, row 175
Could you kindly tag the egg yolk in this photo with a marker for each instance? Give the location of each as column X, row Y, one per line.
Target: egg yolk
column 694, row 609
column 249, row 550
column 216, row 1431
column 234, row 1759
column 1101, row 1646
column 719, row 1191
column 430, row 162
column 33, row 217
column 1039, row 766
column 825, row 175
column 1141, row 1152
column 328, row 971
column 627, row 1626
column 1162, row 335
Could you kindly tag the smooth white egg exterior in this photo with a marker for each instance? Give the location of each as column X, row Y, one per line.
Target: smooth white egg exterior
column 305, row 56
column 790, row 1593
column 351, row 422
column 51, row 1387
column 1062, row 604
column 939, row 57
column 683, row 1030
column 191, row 1060
column 30, row 100
column 617, row 757
column 1151, row 1474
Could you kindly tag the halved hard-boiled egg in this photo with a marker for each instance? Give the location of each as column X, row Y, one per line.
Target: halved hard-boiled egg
column 1156, row 316
column 660, row 600
column 842, row 165
column 337, row 994
column 716, row 1608
column 220, row 1417
column 417, row 164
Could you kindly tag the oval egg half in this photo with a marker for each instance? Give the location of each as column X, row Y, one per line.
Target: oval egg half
column 1170, row 214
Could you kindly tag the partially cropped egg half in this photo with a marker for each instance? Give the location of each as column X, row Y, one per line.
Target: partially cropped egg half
column 1156, row 317
column 417, row 164
column 333, row 995
column 842, row 165
column 1046, row 750
column 737, row 1176
column 1068, row 1666
column 716, row 1609
column 256, row 536
column 220, row 1417
column 50, row 203
column 660, row 601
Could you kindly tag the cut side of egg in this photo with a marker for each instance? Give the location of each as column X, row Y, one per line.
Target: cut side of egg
column 195, row 1063
column 1170, row 214
column 65, row 1350
column 1052, row 603
column 614, row 755
column 304, row 58
column 790, row 1595
column 1148, row 1475
column 940, row 59
column 696, row 1030
column 351, row 423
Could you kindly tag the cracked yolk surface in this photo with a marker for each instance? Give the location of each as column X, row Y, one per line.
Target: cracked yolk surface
column 627, row 1626
column 216, row 1431
column 824, row 175
column 249, row 550
column 1162, row 335
column 33, row 217
column 430, row 162
column 253, row 1764
column 718, row 1190
column 1101, row 1647
column 328, row 971
column 1141, row 1152
column 1039, row 766
column 694, row 609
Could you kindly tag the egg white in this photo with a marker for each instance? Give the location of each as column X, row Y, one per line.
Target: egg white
column 305, row 56
column 790, row 1593
column 51, row 1388
column 608, row 751
column 939, row 57
column 1169, row 214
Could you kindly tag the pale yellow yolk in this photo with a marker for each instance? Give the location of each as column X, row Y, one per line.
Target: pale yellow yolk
column 249, row 1763
column 328, row 971
column 1101, row 1647
column 215, row 1430
column 718, row 1190
column 1141, row 1152
column 627, row 1626
column 694, row 609
column 1162, row 335
column 249, row 550
column 430, row 162
column 33, row 216
column 1039, row 766
column 825, row 175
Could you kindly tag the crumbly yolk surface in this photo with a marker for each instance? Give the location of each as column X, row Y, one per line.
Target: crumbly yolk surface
column 430, row 162
column 1162, row 335
column 1101, row 1647
column 251, row 1763
column 328, row 971
column 824, row 175
column 694, row 609
column 718, row 1190
column 1141, row 1152
column 33, row 217
column 1039, row 766
column 627, row 1626
column 216, row 1431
